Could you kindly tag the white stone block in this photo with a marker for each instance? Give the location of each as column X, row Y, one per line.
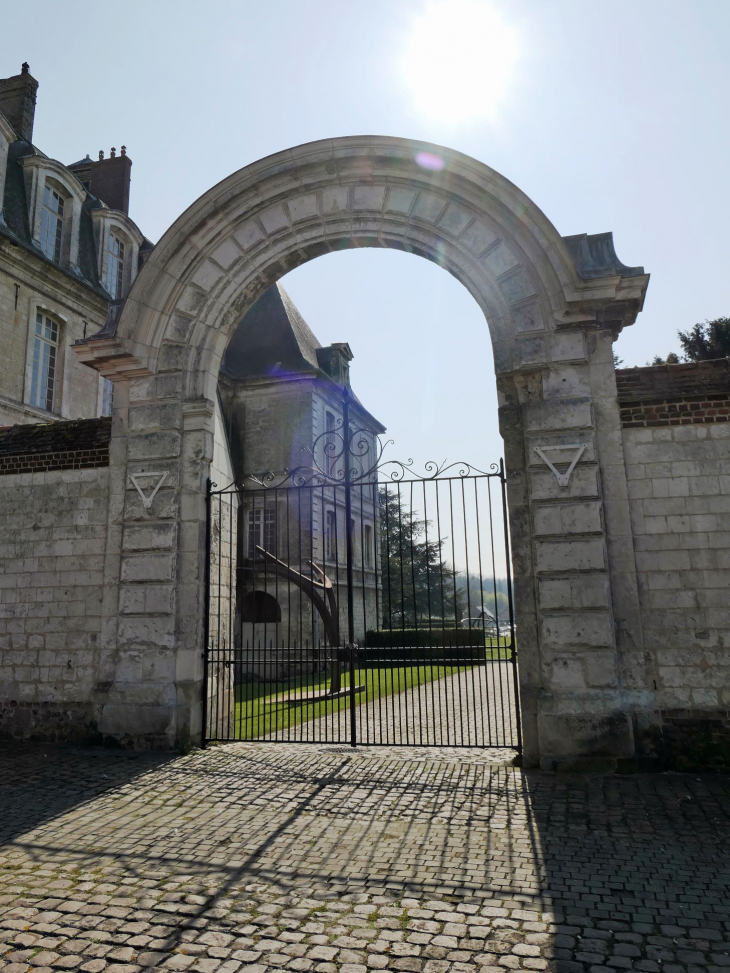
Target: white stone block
column 576, row 555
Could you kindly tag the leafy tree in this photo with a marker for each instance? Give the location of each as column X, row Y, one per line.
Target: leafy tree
column 417, row 582
column 706, row 341
column 617, row 362
column 477, row 593
column 671, row 359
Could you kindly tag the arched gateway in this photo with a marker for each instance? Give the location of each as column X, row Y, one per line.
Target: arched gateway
column 553, row 306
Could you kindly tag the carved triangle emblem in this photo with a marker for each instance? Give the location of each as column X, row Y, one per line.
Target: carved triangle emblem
column 563, row 478
column 147, row 498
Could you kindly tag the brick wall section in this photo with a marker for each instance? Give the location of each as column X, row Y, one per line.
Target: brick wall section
column 678, row 470
column 52, row 547
column 76, row 445
column 674, row 395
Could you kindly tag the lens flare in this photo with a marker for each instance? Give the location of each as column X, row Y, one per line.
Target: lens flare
column 427, row 160
column 459, row 59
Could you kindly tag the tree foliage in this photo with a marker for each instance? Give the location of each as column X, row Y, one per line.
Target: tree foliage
column 706, row 341
column 417, row 583
column 701, row 343
column 671, row 359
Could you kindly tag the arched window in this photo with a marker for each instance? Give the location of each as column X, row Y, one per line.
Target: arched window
column 51, row 239
column 44, row 363
column 114, row 277
column 260, row 606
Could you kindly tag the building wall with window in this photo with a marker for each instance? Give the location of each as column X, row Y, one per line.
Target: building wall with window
column 282, row 398
column 66, row 252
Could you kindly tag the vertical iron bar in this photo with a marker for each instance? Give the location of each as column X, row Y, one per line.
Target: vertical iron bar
column 206, row 617
column 503, row 482
column 348, row 536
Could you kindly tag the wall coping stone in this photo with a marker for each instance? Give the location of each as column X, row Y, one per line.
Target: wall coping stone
column 674, row 395
column 62, row 445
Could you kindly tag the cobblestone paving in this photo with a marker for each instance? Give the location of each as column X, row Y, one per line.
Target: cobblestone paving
column 260, row 857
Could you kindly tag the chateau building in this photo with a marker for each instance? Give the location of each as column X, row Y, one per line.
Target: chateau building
column 68, row 251
column 281, row 396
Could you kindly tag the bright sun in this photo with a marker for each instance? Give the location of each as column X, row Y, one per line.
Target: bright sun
column 459, row 59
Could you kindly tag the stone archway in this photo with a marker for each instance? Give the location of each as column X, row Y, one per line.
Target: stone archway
column 553, row 307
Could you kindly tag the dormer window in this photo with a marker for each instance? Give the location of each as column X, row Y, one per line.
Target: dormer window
column 114, row 281
column 45, row 353
column 52, row 224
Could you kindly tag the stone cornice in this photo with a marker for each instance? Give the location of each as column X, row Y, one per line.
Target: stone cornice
column 198, row 415
column 103, row 214
column 109, row 357
column 59, row 171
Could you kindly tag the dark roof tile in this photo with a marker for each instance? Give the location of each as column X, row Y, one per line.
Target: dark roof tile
column 659, row 383
column 53, row 437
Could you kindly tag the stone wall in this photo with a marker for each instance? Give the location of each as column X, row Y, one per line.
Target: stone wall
column 677, row 446
column 51, row 586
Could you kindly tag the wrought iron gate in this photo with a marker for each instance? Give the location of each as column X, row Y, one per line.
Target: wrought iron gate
column 351, row 601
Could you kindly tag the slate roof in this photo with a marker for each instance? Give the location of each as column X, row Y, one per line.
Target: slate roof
column 662, row 383
column 272, row 338
column 62, row 436
column 17, row 228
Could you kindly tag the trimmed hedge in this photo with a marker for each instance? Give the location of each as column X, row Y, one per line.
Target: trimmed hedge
column 423, row 638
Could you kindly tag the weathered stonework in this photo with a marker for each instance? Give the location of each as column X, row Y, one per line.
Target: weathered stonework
column 678, row 471
column 617, row 481
column 52, row 553
column 553, row 308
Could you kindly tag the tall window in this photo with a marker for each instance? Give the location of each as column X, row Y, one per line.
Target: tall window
column 107, row 395
column 330, row 443
column 114, row 267
column 45, row 352
column 330, row 537
column 52, row 224
column 261, row 530
column 368, row 542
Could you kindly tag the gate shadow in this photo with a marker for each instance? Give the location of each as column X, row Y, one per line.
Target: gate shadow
column 41, row 782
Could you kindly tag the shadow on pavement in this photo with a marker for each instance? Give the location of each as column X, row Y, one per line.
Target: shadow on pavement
column 40, row 782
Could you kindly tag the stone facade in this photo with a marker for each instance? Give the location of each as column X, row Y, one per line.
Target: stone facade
column 553, row 306
column 51, row 593
column 281, row 394
column 617, row 531
column 65, row 280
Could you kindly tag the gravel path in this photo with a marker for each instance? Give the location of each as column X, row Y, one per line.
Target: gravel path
column 473, row 708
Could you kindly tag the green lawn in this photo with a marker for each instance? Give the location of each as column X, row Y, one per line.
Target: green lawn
column 262, row 708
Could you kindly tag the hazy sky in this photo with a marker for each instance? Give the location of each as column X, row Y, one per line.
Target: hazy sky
column 610, row 115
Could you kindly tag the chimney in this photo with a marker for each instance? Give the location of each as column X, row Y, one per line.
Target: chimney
column 108, row 179
column 17, row 101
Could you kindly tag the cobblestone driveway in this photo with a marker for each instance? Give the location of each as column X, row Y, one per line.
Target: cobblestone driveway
column 259, row 856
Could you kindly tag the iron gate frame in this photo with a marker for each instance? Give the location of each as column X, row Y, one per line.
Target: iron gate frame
column 348, row 477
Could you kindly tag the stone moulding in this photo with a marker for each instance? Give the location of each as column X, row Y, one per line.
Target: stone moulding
column 147, row 498
column 167, row 341
column 562, row 478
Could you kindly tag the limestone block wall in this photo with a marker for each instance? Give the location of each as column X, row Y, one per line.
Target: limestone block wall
column 677, row 449
column 679, row 478
column 54, row 530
